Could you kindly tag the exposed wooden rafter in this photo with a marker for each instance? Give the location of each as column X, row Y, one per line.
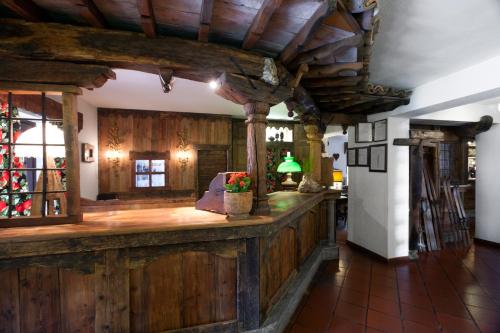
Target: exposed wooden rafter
column 260, row 22
column 308, row 30
column 316, row 55
column 349, row 19
column 205, row 19
column 334, row 82
column 148, row 20
column 333, row 69
column 26, row 9
column 92, row 14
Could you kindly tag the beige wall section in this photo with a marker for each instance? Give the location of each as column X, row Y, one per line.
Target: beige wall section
column 89, row 182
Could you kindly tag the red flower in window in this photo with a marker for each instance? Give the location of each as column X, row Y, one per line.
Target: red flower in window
column 27, row 204
column 16, row 174
column 3, row 206
column 15, row 186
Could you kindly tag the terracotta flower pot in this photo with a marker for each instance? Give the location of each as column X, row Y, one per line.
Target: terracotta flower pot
column 238, row 205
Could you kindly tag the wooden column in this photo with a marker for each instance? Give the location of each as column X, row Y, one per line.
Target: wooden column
column 314, row 137
column 70, row 127
column 256, row 113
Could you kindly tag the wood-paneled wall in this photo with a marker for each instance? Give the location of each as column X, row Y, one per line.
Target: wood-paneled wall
column 142, row 131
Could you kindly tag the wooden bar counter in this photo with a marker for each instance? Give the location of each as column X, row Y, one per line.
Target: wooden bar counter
column 165, row 270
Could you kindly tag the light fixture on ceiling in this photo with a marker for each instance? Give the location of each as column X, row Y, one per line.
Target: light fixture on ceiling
column 214, row 85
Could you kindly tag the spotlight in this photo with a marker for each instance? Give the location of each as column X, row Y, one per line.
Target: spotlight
column 214, row 85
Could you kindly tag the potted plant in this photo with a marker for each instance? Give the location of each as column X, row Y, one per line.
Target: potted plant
column 238, row 197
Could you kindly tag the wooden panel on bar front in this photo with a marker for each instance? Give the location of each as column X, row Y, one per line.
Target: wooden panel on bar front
column 156, row 131
column 183, row 289
column 308, row 234
column 278, row 262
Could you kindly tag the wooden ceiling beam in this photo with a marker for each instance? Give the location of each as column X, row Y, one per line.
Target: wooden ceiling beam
column 332, row 70
column 92, row 14
column 242, row 90
column 148, row 20
column 52, row 72
column 307, row 31
column 342, row 119
column 333, row 92
column 349, row 19
column 361, row 107
column 335, row 82
column 205, row 20
column 260, row 22
column 122, row 49
column 26, row 9
column 316, row 55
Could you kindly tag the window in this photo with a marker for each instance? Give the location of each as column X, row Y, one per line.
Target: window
column 32, row 157
column 444, row 159
column 149, row 170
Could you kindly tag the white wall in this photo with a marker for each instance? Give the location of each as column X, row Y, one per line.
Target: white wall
column 378, row 212
column 335, row 145
column 89, row 185
column 488, row 185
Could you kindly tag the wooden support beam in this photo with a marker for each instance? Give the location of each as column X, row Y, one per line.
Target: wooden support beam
column 361, row 107
column 332, row 70
column 28, row 88
column 148, row 20
column 242, row 90
column 70, row 127
column 307, row 31
column 92, row 14
column 53, row 72
column 26, row 9
column 260, row 22
column 315, row 56
column 336, row 82
column 256, row 154
column 341, row 91
column 347, row 16
column 303, row 69
column 314, row 138
column 123, row 49
column 205, row 19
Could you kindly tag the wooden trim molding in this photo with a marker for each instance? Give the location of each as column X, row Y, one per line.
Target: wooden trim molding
column 149, row 155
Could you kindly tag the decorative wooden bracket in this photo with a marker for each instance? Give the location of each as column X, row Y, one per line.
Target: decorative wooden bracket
column 166, row 79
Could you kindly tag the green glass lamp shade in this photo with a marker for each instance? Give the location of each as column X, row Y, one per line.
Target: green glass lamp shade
column 289, row 165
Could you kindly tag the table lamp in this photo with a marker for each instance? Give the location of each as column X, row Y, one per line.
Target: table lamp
column 338, row 179
column 289, row 166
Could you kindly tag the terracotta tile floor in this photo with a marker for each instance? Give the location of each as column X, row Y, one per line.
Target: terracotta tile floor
column 449, row 291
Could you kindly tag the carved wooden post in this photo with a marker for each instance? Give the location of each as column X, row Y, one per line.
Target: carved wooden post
column 314, row 137
column 256, row 154
column 70, row 126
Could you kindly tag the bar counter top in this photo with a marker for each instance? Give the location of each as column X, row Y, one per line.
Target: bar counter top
column 150, row 227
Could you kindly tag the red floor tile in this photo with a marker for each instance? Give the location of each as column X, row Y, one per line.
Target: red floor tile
column 456, row 324
column 418, row 315
column 385, row 306
column 342, row 325
column 354, row 313
column 383, row 322
column 412, row 327
column 354, row 297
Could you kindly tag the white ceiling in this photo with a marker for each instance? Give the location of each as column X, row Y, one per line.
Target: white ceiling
column 422, row 40
column 143, row 91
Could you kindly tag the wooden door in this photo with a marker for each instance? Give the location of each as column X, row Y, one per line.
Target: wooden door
column 210, row 162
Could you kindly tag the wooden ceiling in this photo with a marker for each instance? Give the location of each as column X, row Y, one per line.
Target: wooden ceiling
column 333, row 38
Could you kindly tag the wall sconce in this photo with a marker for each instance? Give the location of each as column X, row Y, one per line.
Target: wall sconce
column 183, row 153
column 114, row 154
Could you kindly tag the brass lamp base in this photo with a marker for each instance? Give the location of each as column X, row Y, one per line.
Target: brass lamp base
column 289, row 184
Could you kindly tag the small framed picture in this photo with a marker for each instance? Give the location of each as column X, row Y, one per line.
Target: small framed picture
column 87, row 153
column 364, row 132
column 351, row 157
column 363, row 154
column 380, row 130
column 378, row 158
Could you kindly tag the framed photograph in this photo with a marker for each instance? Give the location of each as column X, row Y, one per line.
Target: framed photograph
column 380, row 130
column 378, row 158
column 87, row 153
column 351, row 157
column 364, row 132
column 363, row 154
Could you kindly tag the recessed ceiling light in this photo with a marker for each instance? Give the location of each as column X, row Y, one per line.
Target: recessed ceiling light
column 213, row 85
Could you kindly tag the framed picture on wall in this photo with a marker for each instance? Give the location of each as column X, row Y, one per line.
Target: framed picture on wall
column 362, row 156
column 351, row 157
column 378, row 158
column 380, row 130
column 364, row 132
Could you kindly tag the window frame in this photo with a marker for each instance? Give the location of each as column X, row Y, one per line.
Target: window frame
column 149, row 156
column 45, row 218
